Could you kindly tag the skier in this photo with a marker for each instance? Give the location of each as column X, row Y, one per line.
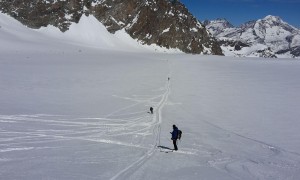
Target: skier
column 175, row 137
column 151, row 110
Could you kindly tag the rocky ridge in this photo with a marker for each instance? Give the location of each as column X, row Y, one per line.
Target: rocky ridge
column 267, row 37
column 165, row 23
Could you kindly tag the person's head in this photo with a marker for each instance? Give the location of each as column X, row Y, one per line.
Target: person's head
column 174, row 126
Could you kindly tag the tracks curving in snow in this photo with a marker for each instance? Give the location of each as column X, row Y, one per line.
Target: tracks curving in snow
column 156, row 124
column 38, row 130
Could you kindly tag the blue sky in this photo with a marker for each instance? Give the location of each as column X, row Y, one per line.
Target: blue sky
column 240, row 11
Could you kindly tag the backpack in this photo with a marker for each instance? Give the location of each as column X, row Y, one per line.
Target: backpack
column 179, row 134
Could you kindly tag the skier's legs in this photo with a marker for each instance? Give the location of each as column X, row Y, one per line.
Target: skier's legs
column 175, row 145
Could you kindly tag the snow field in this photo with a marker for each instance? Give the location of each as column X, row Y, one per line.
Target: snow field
column 124, row 122
column 72, row 110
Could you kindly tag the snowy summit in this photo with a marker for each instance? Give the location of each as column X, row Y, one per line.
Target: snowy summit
column 267, row 37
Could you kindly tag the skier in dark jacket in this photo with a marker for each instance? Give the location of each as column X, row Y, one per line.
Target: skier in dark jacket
column 151, row 110
column 175, row 137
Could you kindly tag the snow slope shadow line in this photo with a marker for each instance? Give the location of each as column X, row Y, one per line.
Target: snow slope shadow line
column 275, row 149
column 157, row 119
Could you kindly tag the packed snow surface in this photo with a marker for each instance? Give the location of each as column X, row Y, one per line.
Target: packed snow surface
column 71, row 110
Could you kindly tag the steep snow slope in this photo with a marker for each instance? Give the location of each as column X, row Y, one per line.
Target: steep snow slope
column 144, row 20
column 72, row 111
column 88, row 32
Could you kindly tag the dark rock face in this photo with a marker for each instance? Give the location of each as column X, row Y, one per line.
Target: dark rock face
column 295, row 51
column 236, row 44
column 267, row 53
column 162, row 22
column 36, row 14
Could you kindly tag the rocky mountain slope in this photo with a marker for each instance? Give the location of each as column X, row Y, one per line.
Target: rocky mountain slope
column 165, row 23
column 267, row 37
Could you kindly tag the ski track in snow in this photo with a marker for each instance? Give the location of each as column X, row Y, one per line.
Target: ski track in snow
column 109, row 129
column 58, row 128
column 17, row 135
column 268, row 157
column 276, row 150
column 157, row 120
column 63, row 129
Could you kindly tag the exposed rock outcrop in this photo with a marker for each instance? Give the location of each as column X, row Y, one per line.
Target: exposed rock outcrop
column 162, row 22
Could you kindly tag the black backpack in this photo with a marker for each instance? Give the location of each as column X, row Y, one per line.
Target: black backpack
column 179, row 134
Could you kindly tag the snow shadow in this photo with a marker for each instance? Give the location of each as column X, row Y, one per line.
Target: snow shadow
column 164, row 147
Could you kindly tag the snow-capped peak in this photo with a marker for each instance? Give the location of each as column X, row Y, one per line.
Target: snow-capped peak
column 273, row 18
column 216, row 26
column 221, row 21
column 269, row 34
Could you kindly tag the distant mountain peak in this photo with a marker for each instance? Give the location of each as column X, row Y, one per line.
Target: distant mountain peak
column 248, row 24
column 266, row 37
column 222, row 21
column 272, row 18
column 216, row 26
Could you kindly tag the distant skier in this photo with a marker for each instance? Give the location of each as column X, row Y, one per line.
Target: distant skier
column 151, row 110
column 175, row 136
column 168, row 78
